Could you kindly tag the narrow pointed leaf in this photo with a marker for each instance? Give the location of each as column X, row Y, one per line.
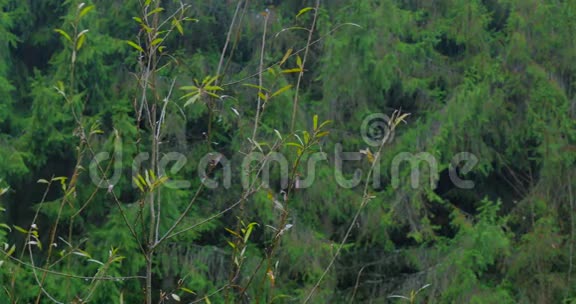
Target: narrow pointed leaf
column 286, row 56
column 64, row 34
column 303, row 11
column 85, row 11
column 155, row 11
column 157, row 41
column 178, row 26
column 294, row 70
column 184, row 289
column 281, row 90
column 134, row 45
column 80, row 42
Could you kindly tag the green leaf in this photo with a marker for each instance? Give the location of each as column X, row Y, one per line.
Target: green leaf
column 82, row 253
column 232, row 232
column 117, row 259
column 299, row 61
column 249, row 231
column 292, row 28
column 63, row 33
column 184, row 289
column 80, row 42
column 299, row 139
column 157, row 41
column 256, row 144
column 82, row 33
column 95, row 261
column 213, row 88
column 60, row 85
column 295, row 70
column 294, row 145
column 188, row 88
column 138, row 184
column 306, row 137
column 192, row 100
column 315, row 125
column 286, row 56
column 303, row 11
column 278, row 134
column 155, row 11
column 209, row 80
column 213, row 95
column 281, row 90
column 325, row 123
column 400, row 119
column 160, row 181
column 85, row 11
column 42, row 181
column 143, row 181
column 6, row 227
column 11, row 251
column 146, row 28
column 20, row 229
column 134, row 45
column 255, row 87
column 138, row 19
column 178, row 26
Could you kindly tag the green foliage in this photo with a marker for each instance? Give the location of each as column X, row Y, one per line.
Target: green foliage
column 472, row 260
column 114, row 79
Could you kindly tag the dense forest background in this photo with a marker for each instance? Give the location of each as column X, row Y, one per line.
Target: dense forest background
column 203, row 83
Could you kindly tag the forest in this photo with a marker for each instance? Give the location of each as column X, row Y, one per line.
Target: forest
column 287, row 151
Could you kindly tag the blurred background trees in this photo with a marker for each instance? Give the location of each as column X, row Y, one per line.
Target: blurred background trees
column 495, row 78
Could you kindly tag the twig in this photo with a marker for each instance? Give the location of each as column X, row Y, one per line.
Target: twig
column 357, row 283
column 301, row 74
column 260, row 69
column 224, row 49
column 68, row 275
column 571, row 198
